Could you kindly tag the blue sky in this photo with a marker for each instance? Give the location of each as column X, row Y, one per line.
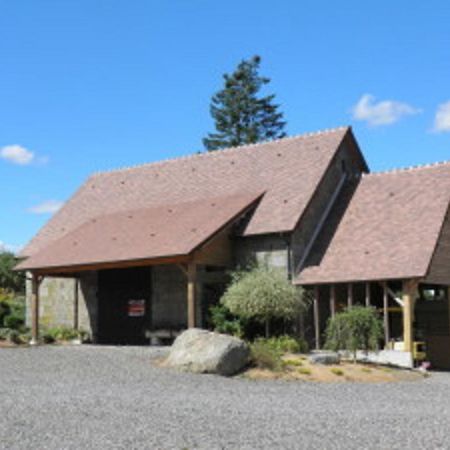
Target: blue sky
column 88, row 85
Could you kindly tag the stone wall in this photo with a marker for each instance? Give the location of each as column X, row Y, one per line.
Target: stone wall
column 169, row 297
column 268, row 249
column 57, row 302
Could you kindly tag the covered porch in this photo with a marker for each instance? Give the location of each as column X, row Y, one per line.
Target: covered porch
column 415, row 315
column 152, row 272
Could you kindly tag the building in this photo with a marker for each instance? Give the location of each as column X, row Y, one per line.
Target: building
column 145, row 250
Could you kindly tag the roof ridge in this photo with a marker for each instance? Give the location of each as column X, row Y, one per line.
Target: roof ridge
column 408, row 168
column 227, row 150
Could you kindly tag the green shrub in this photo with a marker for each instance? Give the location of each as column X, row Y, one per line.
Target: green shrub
column 9, row 279
column 12, row 310
column 225, row 322
column 14, row 337
column 4, row 333
column 337, row 372
column 292, row 362
column 356, row 328
column 263, row 294
column 288, row 344
column 264, row 356
column 14, row 322
column 60, row 334
column 304, row 371
column 5, row 310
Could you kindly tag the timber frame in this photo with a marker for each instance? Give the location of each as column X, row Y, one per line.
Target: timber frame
column 410, row 294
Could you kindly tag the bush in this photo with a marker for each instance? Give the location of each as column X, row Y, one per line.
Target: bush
column 225, row 322
column 288, row 344
column 9, row 279
column 61, row 334
column 337, row 372
column 263, row 294
column 264, row 356
column 4, row 333
column 357, row 328
column 12, row 310
column 14, row 322
column 5, row 310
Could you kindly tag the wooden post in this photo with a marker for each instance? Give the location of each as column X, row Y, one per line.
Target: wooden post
column 350, row 295
column 368, row 294
column 387, row 337
column 191, row 285
column 333, row 300
column 316, row 318
column 409, row 297
column 35, row 281
column 76, row 304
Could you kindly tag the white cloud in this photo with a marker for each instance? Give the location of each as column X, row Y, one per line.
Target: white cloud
column 384, row 112
column 47, row 207
column 442, row 118
column 16, row 154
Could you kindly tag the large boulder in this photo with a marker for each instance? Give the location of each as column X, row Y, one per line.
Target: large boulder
column 203, row 351
column 325, row 358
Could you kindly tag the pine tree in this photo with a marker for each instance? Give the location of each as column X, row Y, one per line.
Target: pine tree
column 240, row 115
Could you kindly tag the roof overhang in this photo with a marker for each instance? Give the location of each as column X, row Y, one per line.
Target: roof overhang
column 162, row 235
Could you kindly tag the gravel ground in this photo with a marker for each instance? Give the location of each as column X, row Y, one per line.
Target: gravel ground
column 91, row 397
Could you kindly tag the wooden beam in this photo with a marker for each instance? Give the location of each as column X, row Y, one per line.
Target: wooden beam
column 76, row 306
column 368, row 294
column 409, row 298
column 191, row 288
column 349, row 295
column 316, row 318
column 333, row 300
column 448, row 303
column 387, row 337
column 35, row 282
column 60, row 271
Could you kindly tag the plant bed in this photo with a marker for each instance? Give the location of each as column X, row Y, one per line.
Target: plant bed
column 295, row 367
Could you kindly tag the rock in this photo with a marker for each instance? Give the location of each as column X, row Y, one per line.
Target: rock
column 326, row 358
column 203, row 351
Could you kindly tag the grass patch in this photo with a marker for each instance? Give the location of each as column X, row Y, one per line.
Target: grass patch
column 304, row 371
column 292, row 363
column 337, row 372
column 366, row 370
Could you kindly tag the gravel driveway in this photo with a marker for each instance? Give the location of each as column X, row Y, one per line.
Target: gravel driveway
column 92, row 397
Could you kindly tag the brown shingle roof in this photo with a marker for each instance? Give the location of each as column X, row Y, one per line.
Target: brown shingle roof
column 288, row 170
column 143, row 234
column 388, row 231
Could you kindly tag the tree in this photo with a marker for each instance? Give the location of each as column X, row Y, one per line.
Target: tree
column 241, row 116
column 263, row 294
column 10, row 280
column 356, row 328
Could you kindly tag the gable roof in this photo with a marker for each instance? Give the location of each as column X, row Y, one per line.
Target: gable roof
column 389, row 229
column 144, row 234
column 287, row 170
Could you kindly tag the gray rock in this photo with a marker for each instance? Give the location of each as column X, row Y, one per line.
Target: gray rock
column 203, row 351
column 326, row 358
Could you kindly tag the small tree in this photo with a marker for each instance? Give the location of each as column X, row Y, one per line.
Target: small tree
column 241, row 114
column 356, row 328
column 9, row 279
column 263, row 294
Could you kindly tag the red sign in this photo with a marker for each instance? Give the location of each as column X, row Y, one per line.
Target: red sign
column 136, row 308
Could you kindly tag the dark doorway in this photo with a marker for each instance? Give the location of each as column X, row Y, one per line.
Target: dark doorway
column 124, row 305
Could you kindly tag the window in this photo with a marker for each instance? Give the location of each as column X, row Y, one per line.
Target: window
column 433, row 293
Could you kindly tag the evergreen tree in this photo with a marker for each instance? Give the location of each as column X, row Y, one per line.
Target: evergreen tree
column 241, row 116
